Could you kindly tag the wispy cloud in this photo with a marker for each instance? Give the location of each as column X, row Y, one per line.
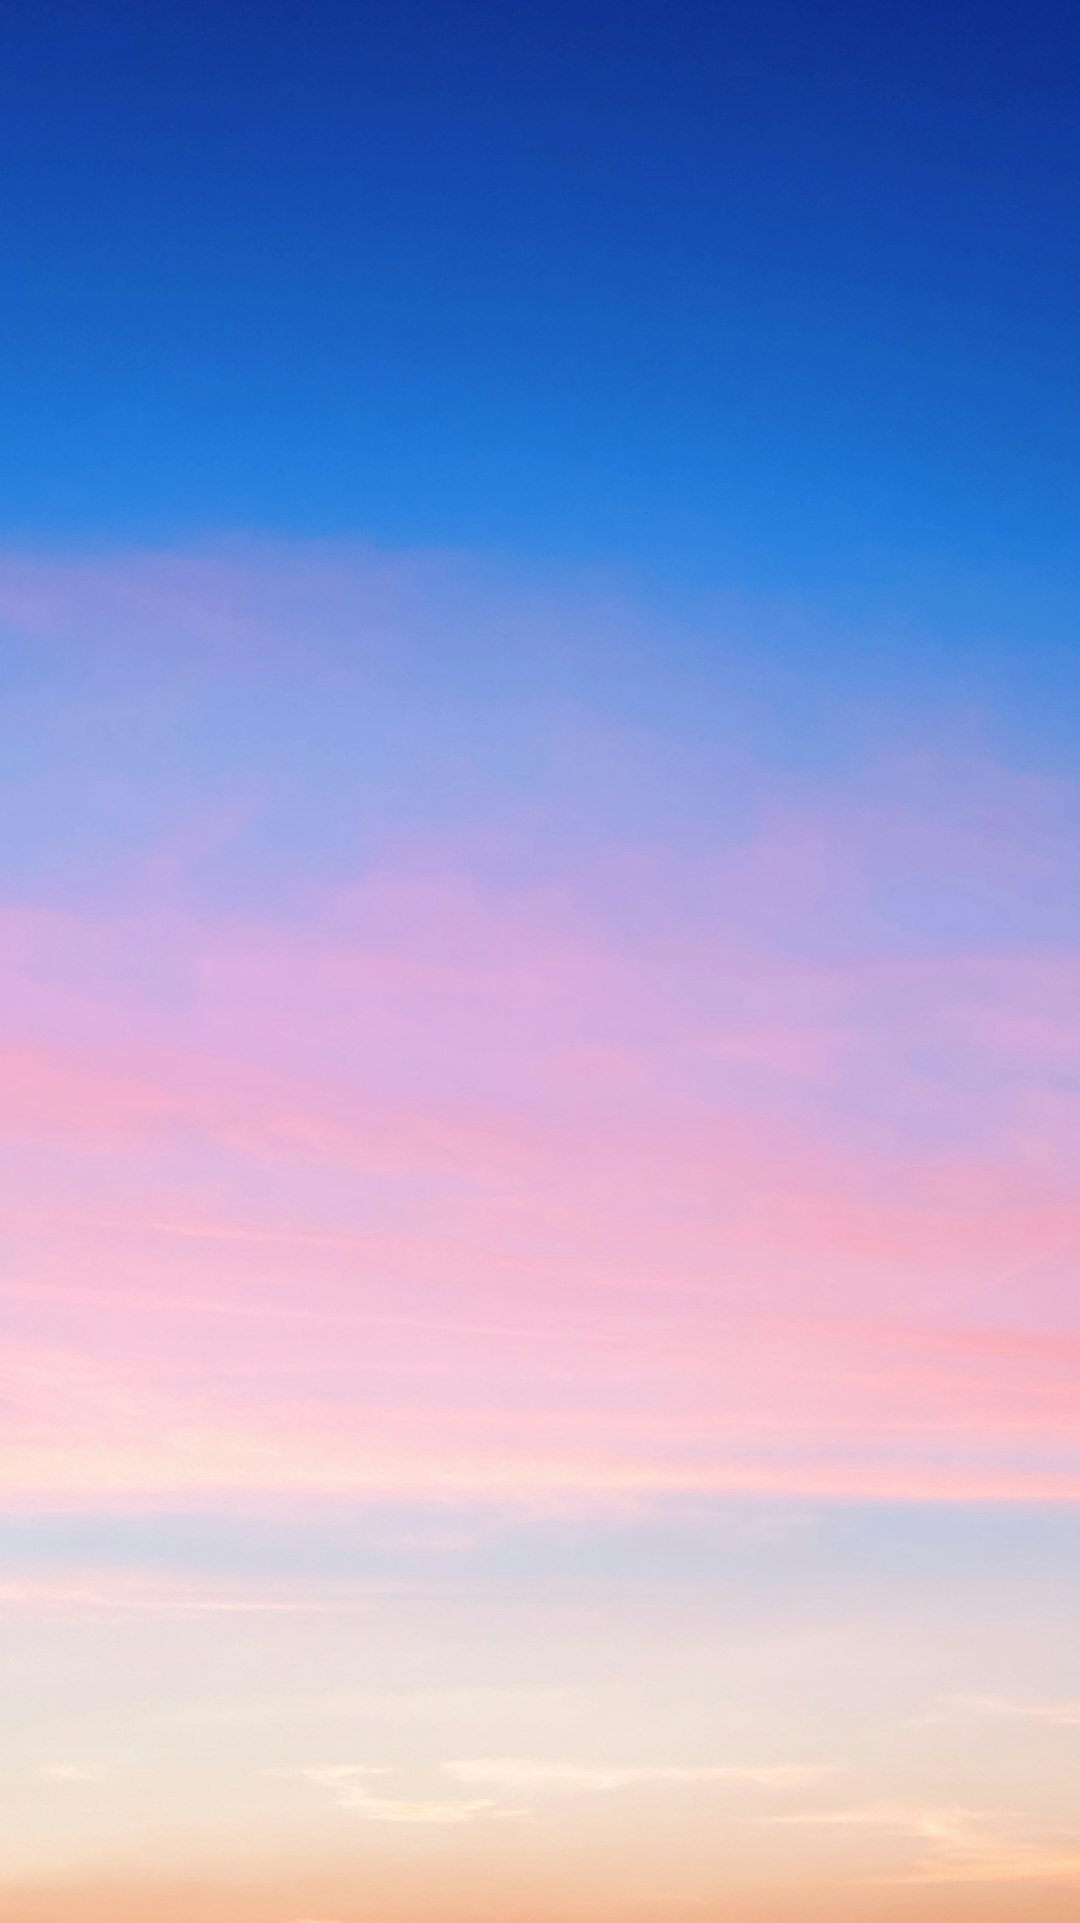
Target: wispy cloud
column 105, row 1592
column 1063, row 1715
column 529, row 1773
column 958, row 1845
column 348, row 1784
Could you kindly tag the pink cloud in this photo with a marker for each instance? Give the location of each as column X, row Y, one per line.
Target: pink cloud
column 489, row 1164
column 259, row 1269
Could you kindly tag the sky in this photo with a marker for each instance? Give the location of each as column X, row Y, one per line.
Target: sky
column 539, row 964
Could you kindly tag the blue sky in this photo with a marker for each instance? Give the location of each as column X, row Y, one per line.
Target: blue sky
column 783, row 297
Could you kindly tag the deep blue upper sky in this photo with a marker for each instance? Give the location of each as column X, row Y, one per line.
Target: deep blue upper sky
column 782, row 295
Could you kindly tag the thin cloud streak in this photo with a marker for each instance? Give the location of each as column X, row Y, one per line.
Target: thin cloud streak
column 523, row 1773
column 1064, row 1715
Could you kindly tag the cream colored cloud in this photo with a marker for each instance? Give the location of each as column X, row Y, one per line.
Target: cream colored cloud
column 350, row 1784
column 347, row 1783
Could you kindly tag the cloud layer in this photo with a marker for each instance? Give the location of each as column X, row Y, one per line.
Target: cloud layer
column 681, row 1154
column 478, row 1058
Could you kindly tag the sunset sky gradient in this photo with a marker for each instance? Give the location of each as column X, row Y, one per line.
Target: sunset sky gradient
column 539, row 986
